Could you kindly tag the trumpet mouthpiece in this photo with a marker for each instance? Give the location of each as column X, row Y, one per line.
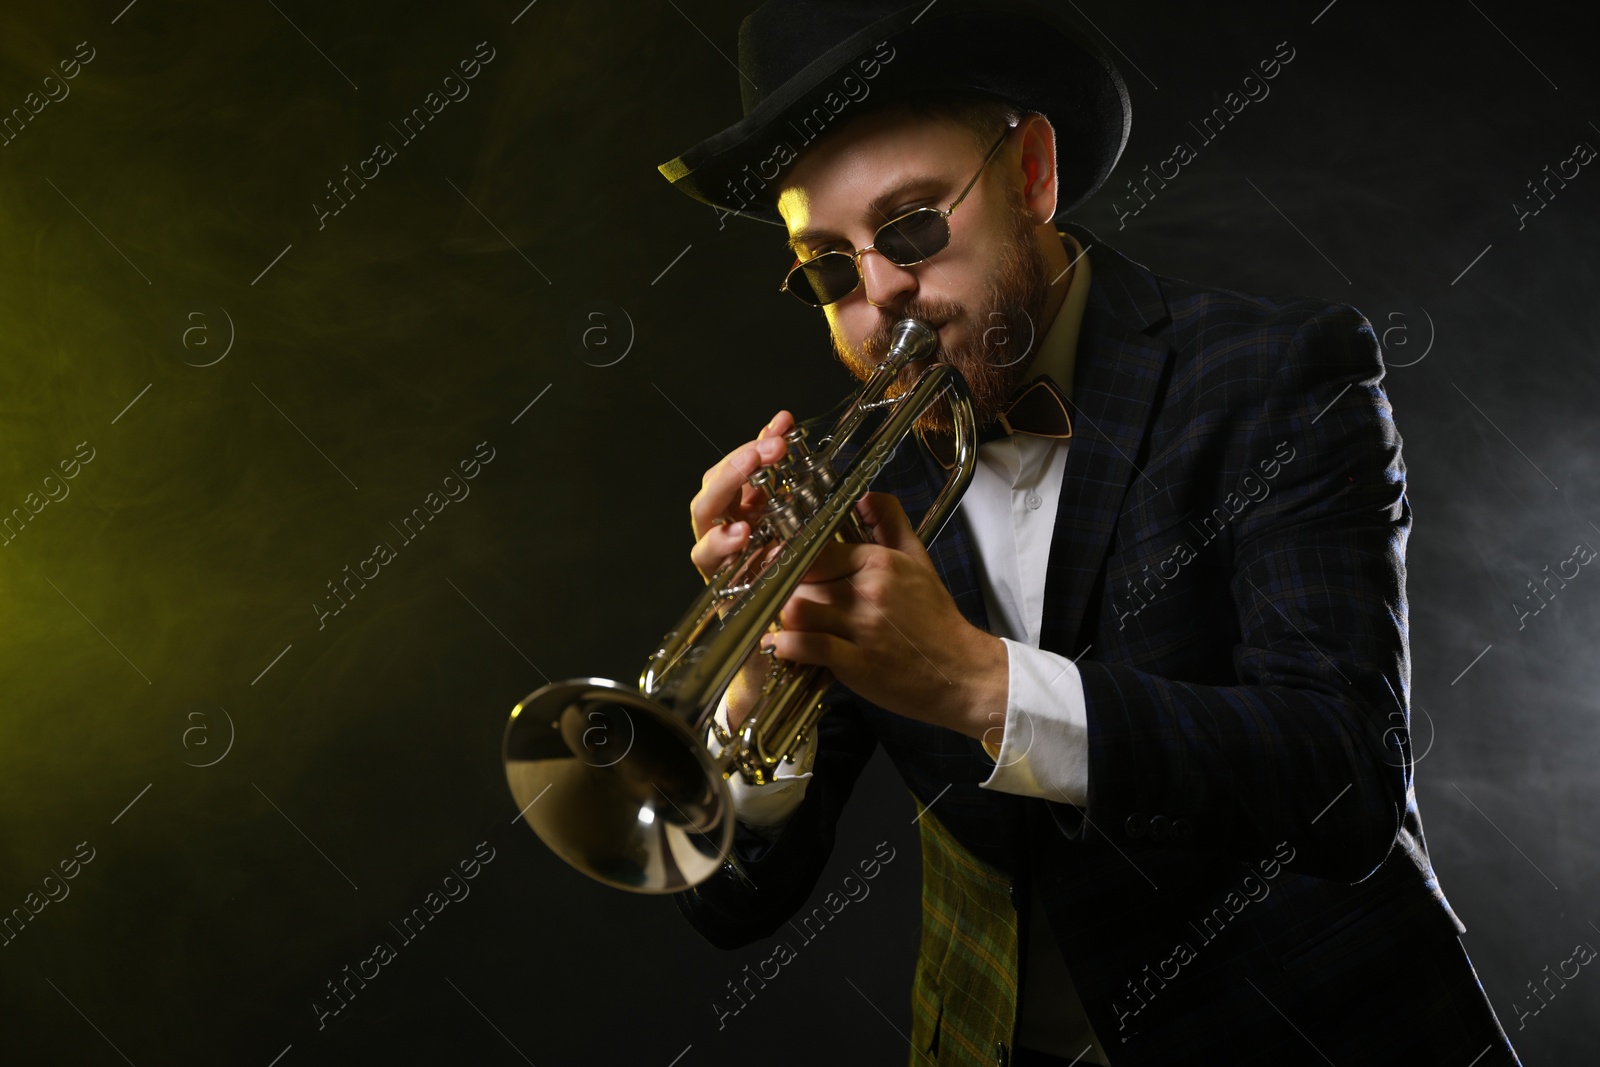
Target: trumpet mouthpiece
column 912, row 340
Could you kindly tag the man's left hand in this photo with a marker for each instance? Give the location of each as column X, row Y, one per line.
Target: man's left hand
column 880, row 618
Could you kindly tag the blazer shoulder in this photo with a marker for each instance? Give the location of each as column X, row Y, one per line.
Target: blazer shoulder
column 1236, row 335
column 1249, row 354
column 1208, row 315
column 1219, row 326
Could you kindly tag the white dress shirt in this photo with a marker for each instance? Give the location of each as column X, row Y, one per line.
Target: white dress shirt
column 1010, row 508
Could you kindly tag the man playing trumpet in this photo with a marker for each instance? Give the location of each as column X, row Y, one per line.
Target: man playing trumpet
column 1150, row 685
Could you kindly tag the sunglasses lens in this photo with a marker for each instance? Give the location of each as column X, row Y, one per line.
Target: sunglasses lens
column 913, row 238
column 823, row 280
column 909, row 239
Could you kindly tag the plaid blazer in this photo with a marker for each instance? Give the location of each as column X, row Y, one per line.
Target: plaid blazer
column 1249, row 882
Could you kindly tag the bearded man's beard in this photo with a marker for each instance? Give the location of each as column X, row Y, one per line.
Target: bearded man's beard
column 1003, row 333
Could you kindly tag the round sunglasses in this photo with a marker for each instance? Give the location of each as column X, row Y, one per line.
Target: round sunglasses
column 904, row 240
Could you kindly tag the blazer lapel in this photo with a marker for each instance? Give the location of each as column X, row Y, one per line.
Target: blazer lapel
column 1121, row 369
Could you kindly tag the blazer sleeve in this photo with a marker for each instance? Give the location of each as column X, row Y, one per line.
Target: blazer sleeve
column 1311, row 746
column 731, row 911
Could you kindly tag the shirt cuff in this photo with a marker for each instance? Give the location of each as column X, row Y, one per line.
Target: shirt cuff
column 1044, row 749
column 766, row 808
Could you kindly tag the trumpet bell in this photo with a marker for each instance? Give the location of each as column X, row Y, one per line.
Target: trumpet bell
column 618, row 786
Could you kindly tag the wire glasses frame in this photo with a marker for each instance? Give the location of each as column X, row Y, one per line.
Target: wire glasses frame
column 904, row 240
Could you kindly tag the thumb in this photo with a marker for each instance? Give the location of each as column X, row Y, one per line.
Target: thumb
column 891, row 526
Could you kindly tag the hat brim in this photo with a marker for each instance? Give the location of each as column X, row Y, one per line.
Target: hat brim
column 1014, row 51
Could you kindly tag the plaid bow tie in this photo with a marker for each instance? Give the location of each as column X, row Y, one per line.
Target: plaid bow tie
column 1037, row 407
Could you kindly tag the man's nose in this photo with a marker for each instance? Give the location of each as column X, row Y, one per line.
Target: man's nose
column 884, row 282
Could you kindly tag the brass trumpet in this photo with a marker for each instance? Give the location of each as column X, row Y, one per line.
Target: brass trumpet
column 619, row 781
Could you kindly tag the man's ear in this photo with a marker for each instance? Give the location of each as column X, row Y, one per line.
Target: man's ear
column 1038, row 163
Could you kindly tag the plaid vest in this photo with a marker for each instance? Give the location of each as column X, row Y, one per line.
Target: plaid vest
column 964, row 995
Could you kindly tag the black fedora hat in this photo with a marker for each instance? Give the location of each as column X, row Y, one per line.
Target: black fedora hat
column 805, row 65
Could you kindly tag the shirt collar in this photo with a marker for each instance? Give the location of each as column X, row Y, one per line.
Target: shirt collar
column 1058, row 349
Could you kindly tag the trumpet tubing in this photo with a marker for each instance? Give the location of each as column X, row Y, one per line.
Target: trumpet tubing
column 619, row 781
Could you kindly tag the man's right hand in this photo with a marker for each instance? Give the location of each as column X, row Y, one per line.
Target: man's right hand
column 723, row 514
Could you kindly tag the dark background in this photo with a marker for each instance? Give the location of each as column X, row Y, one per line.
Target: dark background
column 164, row 607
